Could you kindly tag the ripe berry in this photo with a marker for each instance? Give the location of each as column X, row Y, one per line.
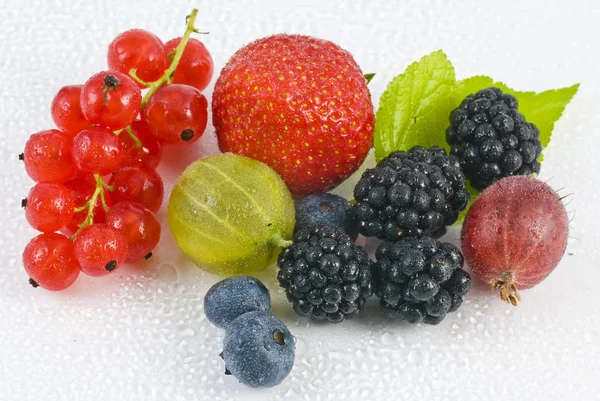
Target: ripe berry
column 66, row 110
column 419, row 279
column 514, row 235
column 50, row 262
column 329, row 209
column 100, row 249
column 138, row 49
column 324, row 274
column 139, row 183
column 492, row 139
column 97, row 150
column 176, row 114
column 234, row 296
column 258, row 349
column 111, row 99
column 298, row 104
column 195, row 67
column 413, row 193
column 149, row 154
column 139, row 225
column 48, row 158
column 50, row 207
column 81, row 189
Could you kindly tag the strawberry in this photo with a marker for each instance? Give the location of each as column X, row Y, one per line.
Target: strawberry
column 298, row 104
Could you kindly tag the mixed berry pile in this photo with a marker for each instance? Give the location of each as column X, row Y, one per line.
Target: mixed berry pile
column 97, row 189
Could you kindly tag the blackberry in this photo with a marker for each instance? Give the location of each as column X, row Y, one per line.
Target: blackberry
column 414, row 193
column 491, row 138
column 324, row 274
column 419, row 279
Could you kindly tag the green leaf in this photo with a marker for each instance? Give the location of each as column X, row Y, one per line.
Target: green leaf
column 415, row 107
column 369, row 77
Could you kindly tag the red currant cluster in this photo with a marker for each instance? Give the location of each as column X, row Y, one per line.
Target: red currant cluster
column 95, row 175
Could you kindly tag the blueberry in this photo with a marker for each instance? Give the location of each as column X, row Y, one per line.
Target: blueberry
column 328, row 209
column 259, row 349
column 233, row 297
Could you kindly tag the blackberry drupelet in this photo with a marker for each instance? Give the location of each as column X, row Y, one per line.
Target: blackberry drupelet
column 414, row 193
column 324, row 274
column 492, row 139
column 419, row 279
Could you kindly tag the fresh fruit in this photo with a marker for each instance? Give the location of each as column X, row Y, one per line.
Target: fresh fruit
column 66, row 110
column 82, row 188
column 258, row 349
column 324, row 274
column 140, row 50
column 515, row 234
column 177, row 114
column 97, row 150
column 234, row 296
column 420, row 279
column 50, row 262
column 49, row 207
column 413, row 193
column 148, row 152
column 328, row 209
column 195, row 67
column 140, row 184
column 298, row 104
column 110, row 99
column 100, row 249
column 139, row 226
column 48, row 158
column 230, row 214
column 492, row 139
column 104, row 132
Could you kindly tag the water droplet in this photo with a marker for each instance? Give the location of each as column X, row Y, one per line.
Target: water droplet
column 418, row 357
column 167, row 272
column 387, row 338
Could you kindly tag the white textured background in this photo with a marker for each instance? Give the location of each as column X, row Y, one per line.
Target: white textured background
column 142, row 335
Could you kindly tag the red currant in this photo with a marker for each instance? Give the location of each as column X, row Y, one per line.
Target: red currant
column 111, row 99
column 195, row 67
column 47, row 157
column 49, row 207
column 140, row 184
column 82, row 188
column 149, row 154
column 177, row 114
column 97, row 150
column 50, row 262
column 100, row 249
column 139, row 225
column 66, row 110
column 138, row 49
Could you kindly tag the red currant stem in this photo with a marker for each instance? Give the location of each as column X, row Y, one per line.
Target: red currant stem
column 89, row 205
column 168, row 74
column 133, row 74
column 136, row 140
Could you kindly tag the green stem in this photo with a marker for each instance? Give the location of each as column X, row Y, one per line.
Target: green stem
column 136, row 140
column 89, row 205
column 280, row 242
column 168, row 75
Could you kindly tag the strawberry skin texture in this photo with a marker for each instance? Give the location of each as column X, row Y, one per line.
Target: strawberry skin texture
column 298, row 104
